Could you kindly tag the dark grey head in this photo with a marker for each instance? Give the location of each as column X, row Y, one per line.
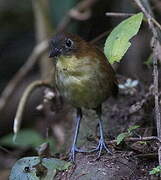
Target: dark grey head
column 62, row 44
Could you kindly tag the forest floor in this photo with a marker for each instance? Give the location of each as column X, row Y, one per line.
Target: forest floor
column 130, row 160
column 119, row 166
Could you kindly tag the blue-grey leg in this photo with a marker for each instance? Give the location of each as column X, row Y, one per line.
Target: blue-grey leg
column 74, row 149
column 101, row 144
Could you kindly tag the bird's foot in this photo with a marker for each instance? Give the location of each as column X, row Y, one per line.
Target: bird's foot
column 73, row 152
column 101, row 145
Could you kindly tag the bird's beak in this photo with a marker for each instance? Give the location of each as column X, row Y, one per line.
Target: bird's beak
column 55, row 52
column 51, row 54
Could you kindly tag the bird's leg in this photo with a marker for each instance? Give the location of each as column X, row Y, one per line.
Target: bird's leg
column 101, row 144
column 74, row 149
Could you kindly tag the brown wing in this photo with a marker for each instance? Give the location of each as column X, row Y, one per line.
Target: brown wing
column 107, row 68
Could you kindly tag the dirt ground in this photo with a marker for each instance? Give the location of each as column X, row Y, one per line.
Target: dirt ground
column 120, row 166
column 130, row 160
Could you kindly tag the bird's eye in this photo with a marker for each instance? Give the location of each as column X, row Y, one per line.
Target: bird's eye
column 68, row 43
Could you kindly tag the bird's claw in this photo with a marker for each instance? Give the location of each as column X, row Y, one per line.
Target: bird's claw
column 101, row 145
column 73, row 151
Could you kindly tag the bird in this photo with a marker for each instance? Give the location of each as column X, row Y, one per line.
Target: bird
column 85, row 79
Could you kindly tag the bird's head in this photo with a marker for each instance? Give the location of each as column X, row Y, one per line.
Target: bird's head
column 64, row 44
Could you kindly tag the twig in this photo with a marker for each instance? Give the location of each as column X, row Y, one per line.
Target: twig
column 150, row 138
column 155, row 43
column 148, row 155
column 149, row 18
column 22, row 103
column 156, row 23
column 13, row 83
column 115, row 14
column 156, row 94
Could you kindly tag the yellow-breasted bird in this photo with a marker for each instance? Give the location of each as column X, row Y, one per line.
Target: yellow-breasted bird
column 84, row 77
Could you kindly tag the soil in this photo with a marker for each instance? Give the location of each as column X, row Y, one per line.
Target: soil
column 119, row 166
column 130, row 160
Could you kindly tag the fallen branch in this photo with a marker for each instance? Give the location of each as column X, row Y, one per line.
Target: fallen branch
column 147, row 155
column 22, row 103
column 131, row 139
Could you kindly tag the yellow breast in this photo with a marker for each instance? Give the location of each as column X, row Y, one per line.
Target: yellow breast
column 80, row 81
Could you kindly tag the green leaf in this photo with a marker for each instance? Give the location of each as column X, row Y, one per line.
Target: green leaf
column 34, row 169
column 132, row 128
column 25, row 138
column 117, row 42
column 155, row 171
column 121, row 137
column 149, row 61
column 53, row 163
column 142, row 142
